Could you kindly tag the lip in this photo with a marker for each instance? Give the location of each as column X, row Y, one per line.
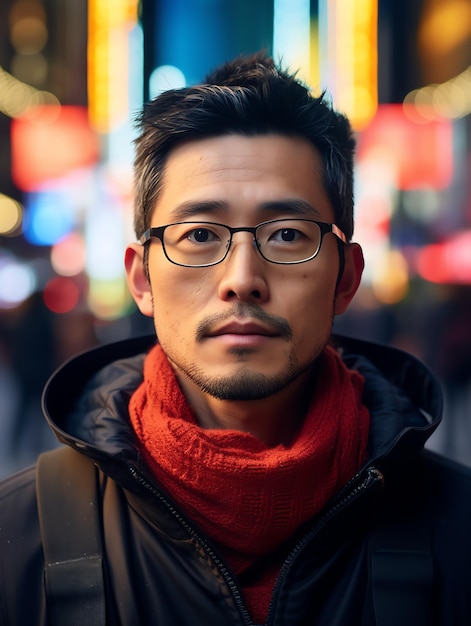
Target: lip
column 242, row 329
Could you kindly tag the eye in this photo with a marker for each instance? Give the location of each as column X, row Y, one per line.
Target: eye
column 287, row 235
column 202, row 235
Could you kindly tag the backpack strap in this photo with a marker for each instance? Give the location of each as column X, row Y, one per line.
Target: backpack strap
column 67, row 495
column 401, row 570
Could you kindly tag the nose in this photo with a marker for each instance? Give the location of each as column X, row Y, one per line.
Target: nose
column 243, row 272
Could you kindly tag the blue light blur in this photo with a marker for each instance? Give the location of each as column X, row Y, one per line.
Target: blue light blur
column 197, row 35
column 49, row 216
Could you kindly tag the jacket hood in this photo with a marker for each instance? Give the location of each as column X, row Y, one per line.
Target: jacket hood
column 404, row 398
column 85, row 401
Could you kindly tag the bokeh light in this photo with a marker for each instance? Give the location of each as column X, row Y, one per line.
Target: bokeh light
column 448, row 261
column 391, row 278
column 11, row 215
column 68, row 255
column 17, row 281
column 61, row 295
column 165, row 77
column 48, row 217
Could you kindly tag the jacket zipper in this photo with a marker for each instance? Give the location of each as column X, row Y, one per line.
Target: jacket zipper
column 343, row 499
column 345, row 496
column 230, row 582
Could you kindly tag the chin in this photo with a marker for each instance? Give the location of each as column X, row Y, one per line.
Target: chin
column 246, row 384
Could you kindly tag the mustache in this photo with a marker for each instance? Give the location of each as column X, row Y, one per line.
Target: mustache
column 240, row 310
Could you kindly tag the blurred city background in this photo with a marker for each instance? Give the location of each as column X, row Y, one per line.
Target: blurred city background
column 73, row 75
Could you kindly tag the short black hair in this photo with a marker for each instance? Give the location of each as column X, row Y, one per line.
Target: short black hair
column 248, row 96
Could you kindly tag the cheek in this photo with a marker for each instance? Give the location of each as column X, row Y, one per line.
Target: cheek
column 310, row 300
column 315, row 284
column 178, row 294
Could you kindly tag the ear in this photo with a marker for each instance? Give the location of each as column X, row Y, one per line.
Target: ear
column 351, row 277
column 137, row 281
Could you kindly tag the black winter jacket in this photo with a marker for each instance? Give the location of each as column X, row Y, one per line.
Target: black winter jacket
column 392, row 548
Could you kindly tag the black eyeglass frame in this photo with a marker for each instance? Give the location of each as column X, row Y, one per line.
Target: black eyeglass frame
column 324, row 227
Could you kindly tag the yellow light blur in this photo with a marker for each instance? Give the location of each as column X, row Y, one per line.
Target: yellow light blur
column 109, row 22
column 108, row 299
column 352, row 57
column 448, row 100
column 11, row 215
column 445, row 26
column 391, row 278
column 16, row 97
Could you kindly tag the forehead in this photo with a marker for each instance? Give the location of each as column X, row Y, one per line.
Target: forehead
column 242, row 175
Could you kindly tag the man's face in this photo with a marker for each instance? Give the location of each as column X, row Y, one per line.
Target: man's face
column 246, row 328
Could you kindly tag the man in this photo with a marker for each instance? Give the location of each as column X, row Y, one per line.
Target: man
column 252, row 469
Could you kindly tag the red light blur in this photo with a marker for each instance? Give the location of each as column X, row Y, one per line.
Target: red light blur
column 421, row 153
column 447, row 262
column 61, row 295
column 48, row 142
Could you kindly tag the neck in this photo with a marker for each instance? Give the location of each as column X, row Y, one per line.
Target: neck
column 274, row 420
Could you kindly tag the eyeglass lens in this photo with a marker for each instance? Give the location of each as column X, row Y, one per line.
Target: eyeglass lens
column 279, row 241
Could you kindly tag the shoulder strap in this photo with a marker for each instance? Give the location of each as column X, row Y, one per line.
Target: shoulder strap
column 66, row 487
column 401, row 569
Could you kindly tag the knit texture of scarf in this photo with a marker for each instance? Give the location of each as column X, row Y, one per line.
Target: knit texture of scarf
column 249, row 498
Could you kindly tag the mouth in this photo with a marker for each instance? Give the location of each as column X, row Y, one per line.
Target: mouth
column 243, row 329
column 244, row 322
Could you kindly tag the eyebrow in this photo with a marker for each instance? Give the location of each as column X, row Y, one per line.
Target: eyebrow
column 190, row 209
column 291, row 206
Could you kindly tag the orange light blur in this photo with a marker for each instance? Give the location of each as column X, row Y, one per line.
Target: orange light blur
column 48, row 142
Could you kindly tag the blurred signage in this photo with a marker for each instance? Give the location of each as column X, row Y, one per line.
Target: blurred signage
column 48, row 142
column 448, row 261
column 109, row 25
column 421, row 153
column 348, row 33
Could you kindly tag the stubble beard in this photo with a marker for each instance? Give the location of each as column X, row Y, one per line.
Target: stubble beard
column 245, row 383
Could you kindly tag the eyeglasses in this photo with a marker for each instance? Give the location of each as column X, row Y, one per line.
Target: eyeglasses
column 202, row 244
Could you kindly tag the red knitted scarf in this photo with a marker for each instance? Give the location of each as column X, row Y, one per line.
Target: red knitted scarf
column 246, row 497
